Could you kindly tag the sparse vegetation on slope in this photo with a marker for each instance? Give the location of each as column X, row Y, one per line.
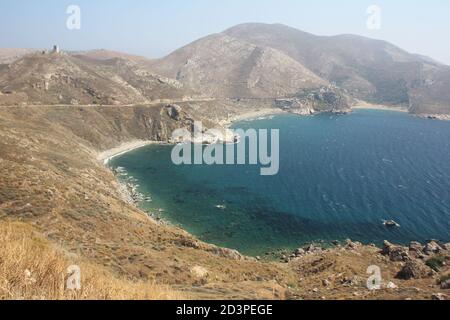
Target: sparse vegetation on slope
column 32, row 268
column 52, row 182
column 59, row 78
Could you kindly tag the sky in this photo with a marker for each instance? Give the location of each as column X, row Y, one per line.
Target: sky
column 155, row 28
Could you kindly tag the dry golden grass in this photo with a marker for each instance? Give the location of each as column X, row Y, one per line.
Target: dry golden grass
column 31, row 269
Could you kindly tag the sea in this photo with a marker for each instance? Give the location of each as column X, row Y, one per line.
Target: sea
column 340, row 177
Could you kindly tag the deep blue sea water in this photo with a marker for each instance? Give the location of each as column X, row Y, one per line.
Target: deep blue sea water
column 340, row 177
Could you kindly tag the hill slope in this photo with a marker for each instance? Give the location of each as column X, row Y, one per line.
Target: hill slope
column 72, row 211
column 65, row 79
column 223, row 66
column 262, row 60
column 9, row 55
column 372, row 70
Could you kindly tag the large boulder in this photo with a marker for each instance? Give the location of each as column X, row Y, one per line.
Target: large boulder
column 395, row 253
column 349, row 244
column 200, row 274
column 432, row 247
column 313, row 249
column 414, row 269
column 439, row 296
column 226, row 253
column 415, row 247
column 445, row 284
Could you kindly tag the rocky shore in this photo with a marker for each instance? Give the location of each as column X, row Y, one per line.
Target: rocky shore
column 414, row 262
column 443, row 117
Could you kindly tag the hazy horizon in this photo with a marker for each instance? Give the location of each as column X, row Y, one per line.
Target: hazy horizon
column 154, row 29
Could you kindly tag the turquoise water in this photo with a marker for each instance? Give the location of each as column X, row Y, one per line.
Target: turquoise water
column 339, row 177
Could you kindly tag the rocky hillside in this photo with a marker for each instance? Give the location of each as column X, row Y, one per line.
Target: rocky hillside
column 54, row 185
column 9, row 55
column 223, row 66
column 249, row 61
column 433, row 97
column 102, row 54
column 58, row 78
column 371, row 70
column 262, row 60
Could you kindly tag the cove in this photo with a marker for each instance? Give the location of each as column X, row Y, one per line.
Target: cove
column 339, row 177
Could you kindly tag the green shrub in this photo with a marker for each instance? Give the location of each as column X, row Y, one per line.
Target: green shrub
column 436, row 263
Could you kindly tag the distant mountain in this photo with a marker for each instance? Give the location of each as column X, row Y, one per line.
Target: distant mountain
column 252, row 60
column 9, row 55
column 372, row 70
column 102, row 54
column 54, row 78
column 261, row 60
column 224, row 66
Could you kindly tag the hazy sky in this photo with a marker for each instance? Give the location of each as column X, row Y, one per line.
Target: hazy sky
column 155, row 28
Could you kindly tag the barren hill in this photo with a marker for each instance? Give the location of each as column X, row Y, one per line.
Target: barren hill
column 263, row 60
column 72, row 211
column 371, row 70
column 103, row 54
column 59, row 205
column 223, row 66
column 9, row 55
column 55, row 78
column 252, row 60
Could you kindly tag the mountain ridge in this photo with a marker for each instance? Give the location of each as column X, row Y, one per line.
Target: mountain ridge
column 375, row 71
column 252, row 60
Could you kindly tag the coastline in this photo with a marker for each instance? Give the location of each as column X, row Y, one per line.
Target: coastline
column 368, row 106
column 107, row 155
column 442, row 117
column 128, row 190
column 251, row 115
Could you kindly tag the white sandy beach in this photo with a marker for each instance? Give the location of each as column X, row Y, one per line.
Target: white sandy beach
column 107, row 155
column 370, row 106
column 250, row 115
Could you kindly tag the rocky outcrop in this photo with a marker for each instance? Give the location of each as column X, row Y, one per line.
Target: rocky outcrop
column 311, row 101
column 432, row 247
column 349, row 244
column 416, row 247
column 439, row 297
column 174, row 111
column 414, row 269
column 64, row 79
column 201, row 274
column 226, row 253
column 445, row 284
column 395, row 253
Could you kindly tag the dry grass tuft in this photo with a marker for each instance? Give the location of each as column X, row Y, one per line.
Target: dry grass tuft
column 32, row 269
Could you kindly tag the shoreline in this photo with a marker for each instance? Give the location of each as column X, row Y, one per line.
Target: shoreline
column 107, row 155
column 368, row 106
column 251, row 115
column 129, row 195
column 441, row 117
